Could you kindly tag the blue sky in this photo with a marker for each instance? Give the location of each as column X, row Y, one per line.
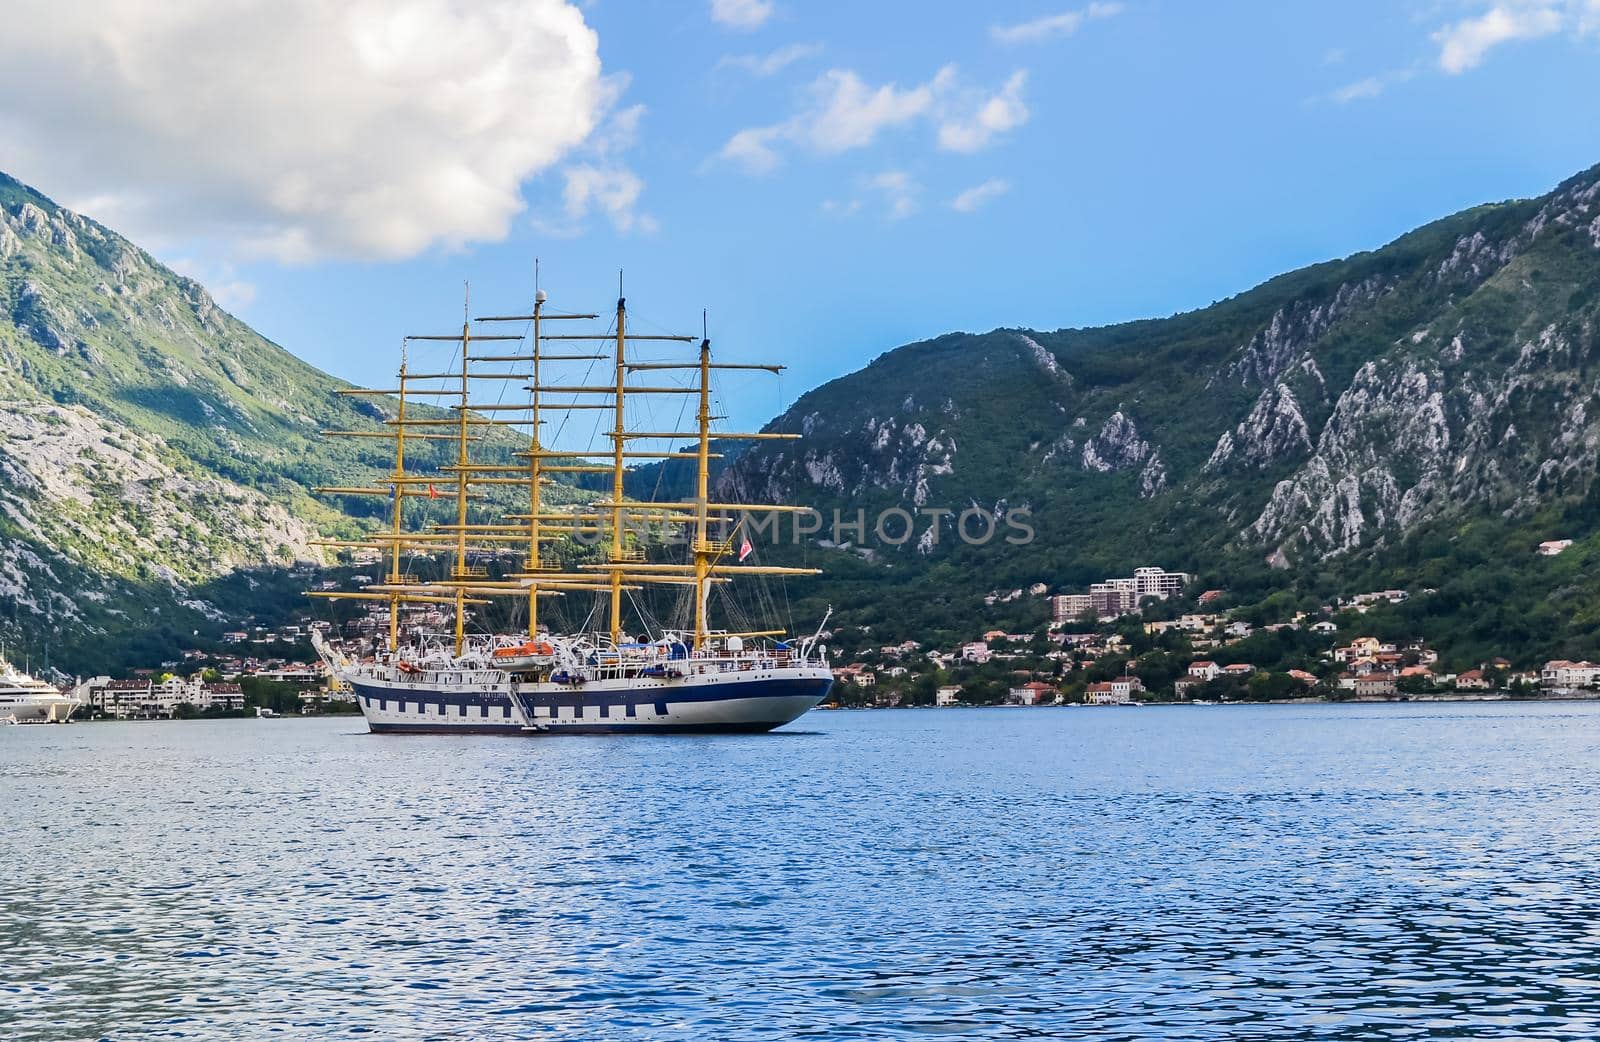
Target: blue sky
column 795, row 168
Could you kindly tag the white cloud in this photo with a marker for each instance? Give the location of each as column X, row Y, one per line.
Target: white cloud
column 752, row 149
column 899, row 192
column 773, row 62
column 1064, row 24
column 600, row 183
column 302, row 129
column 741, row 14
column 979, row 195
column 231, row 292
column 613, row 191
column 844, row 112
column 986, row 117
column 1464, row 44
column 895, row 189
column 850, row 114
column 1370, row 87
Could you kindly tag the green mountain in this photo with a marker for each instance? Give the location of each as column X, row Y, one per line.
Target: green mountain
column 156, row 454
column 1418, row 416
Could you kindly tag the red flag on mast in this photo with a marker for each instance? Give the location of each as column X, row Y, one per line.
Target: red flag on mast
column 745, row 549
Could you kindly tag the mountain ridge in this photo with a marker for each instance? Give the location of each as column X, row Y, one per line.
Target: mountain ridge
column 1283, row 441
column 1311, row 432
column 151, row 444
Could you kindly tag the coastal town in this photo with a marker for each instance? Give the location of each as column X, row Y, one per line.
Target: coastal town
column 1150, row 637
column 259, row 671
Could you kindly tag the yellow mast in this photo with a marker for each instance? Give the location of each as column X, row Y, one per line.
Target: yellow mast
column 399, row 501
column 625, row 568
column 702, row 547
column 617, row 444
column 461, row 485
column 535, row 455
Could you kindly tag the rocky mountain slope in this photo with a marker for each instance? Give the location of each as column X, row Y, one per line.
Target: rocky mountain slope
column 1419, row 415
column 1304, row 434
column 151, row 445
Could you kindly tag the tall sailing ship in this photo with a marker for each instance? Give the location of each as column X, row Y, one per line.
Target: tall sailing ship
column 621, row 668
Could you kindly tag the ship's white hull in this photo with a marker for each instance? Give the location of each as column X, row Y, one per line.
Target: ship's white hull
column 36, row 709
column 733, row 701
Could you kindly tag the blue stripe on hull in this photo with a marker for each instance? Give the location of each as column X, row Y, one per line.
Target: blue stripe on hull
column 615, row 697
column 483, row 713
column 578, row 728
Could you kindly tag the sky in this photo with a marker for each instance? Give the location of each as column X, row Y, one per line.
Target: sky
column 827, row 180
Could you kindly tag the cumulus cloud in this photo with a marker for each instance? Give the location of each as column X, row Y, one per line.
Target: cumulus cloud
column 613, row 192
column 1370, row 87
column 598, row 181
column 772, row 62
column 741, row 14
column 230, row 291
column 850, row 114
column 986, row 117
column 899, row 192
column 295, row 128
column 752, row 149
column 1463, row 44
column 1064, row 24
column 844, row 112
column 979, row 195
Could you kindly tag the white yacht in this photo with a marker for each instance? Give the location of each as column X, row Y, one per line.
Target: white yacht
column 25, row 700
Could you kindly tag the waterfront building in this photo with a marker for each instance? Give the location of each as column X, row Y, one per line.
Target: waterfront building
column 1033, row 693
column 948, row 695
column 1561, row 673
column 1375, row 684
column 1105, row 694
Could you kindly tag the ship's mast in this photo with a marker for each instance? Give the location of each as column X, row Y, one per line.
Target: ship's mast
column 626, row 567
column 462, row 463
column 535, row 464
column 617, row 444
column 703, row 555
column 399, row 503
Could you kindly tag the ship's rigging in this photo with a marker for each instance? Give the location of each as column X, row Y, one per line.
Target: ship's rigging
column 469, row 422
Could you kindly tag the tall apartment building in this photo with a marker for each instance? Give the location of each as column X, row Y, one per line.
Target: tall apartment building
column 1065, row 607
column 1119, row 596
column 1157, row 582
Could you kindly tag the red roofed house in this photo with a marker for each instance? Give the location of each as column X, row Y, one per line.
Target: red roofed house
column 1033, row 693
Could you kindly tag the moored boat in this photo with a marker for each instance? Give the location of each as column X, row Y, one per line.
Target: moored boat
column 27, row 700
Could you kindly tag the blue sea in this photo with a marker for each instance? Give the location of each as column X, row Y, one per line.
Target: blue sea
column 1409, row 871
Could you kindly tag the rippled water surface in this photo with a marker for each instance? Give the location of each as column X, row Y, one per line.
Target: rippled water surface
column 1395, row 871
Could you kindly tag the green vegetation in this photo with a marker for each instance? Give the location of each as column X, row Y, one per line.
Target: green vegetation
column 1419, row 416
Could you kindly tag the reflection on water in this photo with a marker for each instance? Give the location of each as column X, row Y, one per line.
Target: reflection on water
column 1283, row 872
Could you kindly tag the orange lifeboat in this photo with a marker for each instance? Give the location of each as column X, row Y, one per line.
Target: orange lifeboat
column 520, row 656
